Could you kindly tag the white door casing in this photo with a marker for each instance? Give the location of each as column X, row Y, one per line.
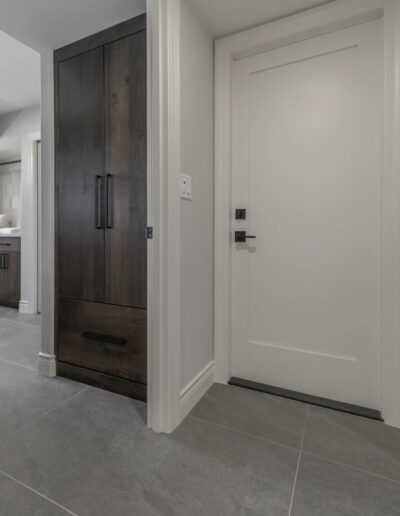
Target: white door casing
column 316, row 22
column 307, row 167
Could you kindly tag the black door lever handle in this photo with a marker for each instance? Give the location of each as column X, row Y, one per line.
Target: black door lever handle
column 242, row 236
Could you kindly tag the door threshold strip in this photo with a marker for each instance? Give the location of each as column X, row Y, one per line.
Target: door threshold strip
column 307, row 398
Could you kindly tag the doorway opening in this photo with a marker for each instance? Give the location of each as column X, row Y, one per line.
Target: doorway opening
column 20, row 119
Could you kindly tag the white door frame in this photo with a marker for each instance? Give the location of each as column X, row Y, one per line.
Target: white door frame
column 29, row 222
column 333, row 16
column 164, row 214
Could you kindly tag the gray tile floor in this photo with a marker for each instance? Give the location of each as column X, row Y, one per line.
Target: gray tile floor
column 69, row 449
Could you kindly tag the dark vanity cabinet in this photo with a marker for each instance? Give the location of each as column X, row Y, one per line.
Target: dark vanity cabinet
column 101, row 250
column 10, row 271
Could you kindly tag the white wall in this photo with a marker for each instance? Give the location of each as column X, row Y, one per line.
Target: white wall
column 197, row 226
column 13, row 128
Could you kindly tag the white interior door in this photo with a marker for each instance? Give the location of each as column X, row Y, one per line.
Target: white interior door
column 306, row 165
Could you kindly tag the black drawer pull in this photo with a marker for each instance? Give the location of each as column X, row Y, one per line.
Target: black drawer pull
column 104, row 338
column 5, row 244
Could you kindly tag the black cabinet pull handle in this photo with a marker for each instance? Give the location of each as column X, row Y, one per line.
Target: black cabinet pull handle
column 5, row 244
column 103, row 338
column 6, row 261
column 2, row 261
column 110, row 201
column 99, row 202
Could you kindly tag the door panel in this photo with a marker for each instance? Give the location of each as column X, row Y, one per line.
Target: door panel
column 306, row 294
column 80, row 161
column 126, row 245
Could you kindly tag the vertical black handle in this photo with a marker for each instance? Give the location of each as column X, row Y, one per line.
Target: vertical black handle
column 110, row 201
column 99, row 202
column 6, row 261
column 2, row 261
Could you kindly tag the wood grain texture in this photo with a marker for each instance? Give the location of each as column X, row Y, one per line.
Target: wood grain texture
column 125, row 154
column 77, row 318
column 128, row 388
column 122, row 30
column 80, row 160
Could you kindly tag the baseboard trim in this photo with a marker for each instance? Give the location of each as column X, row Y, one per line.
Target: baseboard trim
column 24, row 308
column 196, row 389
column 47, row 365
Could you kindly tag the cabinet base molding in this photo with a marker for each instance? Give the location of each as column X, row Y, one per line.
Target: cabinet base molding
column 47, row 365
column 102, row 381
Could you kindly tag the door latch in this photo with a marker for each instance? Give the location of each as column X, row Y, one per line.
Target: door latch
column 149, row 233
column 242, row 236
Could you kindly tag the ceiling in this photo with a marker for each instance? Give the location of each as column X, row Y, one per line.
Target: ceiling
column 19, row 75
column 224, row 17
column 50, row 24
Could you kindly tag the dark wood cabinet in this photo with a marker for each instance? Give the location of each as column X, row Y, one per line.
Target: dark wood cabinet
column 10, row 271
column 126, row 109
column 80, row 169
column 101, row 150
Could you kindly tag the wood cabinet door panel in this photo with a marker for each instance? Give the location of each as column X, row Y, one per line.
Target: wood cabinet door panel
column 80, row 162
column 126, row 110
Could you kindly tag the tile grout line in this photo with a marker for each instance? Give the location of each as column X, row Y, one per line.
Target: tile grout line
column 43, row 415
column 298, row 461
column 241, row 432
column 288, row 446
column 17, row 364
column 37, row 493
column 355, row 468
column 32, row 325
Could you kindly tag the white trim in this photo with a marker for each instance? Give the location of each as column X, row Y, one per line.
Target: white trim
column 196, row 389
column 24, row 308
column 164, row 215
column 47, row 365
column 315, row 22
column 29, row 223
column 391, row 218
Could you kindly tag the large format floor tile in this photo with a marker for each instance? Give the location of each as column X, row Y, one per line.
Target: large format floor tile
column 19, row 343
column 327, row 489
column 256, row 413
column 95, row 456
column 352, row 440
column 17, row 500
column 25, row 395
column 12, row 314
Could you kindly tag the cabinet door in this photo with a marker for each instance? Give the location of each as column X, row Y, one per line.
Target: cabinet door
column 126, row 245
column 80, row 176
column 10, row 278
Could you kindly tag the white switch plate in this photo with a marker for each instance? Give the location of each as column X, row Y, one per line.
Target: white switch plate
column 186, row 187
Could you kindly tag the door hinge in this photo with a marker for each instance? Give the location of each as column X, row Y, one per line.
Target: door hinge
column 149, row 233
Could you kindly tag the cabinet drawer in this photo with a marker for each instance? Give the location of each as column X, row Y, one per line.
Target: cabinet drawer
column 10, row 244
column 106, row 338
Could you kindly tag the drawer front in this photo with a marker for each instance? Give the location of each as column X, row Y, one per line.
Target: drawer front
column 10, row 244
column 106, row 338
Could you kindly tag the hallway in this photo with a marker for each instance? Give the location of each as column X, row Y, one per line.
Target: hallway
column 69, row 449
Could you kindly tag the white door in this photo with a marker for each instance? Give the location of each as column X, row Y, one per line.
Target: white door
column 306, row 165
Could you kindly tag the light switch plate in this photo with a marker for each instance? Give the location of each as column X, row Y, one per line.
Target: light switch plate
column 186, row 187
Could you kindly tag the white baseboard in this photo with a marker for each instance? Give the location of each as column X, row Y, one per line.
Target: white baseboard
column 47, row 365
column 196, row 389
column 26, row 309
